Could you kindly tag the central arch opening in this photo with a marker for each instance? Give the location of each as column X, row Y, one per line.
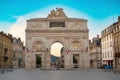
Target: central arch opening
column 56, row 49
column 56, row 52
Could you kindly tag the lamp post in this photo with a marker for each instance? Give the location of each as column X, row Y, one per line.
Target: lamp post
column 5, row 56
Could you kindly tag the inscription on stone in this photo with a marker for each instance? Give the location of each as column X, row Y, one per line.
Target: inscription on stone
column 57, row 24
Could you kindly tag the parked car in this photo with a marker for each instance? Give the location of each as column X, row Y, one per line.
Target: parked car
column 108, row 67
column 103, row 66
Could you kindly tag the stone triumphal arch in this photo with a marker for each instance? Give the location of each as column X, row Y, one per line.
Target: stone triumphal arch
column 72, row 33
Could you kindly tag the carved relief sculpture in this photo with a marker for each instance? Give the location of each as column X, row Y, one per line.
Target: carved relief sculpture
column 76, row 45
column 57, row 13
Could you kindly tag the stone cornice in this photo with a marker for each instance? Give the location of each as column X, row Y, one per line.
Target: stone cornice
column 78, row 50
column 56, row 31
column 56, row 19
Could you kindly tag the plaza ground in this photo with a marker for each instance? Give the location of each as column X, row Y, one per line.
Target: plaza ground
column 77, row 74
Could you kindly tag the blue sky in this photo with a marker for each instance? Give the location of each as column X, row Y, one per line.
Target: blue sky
column 99, row 13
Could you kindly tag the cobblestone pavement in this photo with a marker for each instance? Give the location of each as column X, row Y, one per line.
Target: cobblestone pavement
column 80, row 74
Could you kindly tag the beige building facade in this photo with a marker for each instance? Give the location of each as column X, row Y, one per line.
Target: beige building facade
column 18, row 53
column 95, row 52
column 5, row 50
column 111, row 45
column 116, row 43
column 107, row 46
column 72, row 33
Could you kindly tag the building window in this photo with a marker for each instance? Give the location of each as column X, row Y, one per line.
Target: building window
column 115, row 49
column 105, row 55
column 118, row 49
column 105, row 46
column 14, row 55
column 117, row 27
column 114, row 29
column 102, row 55
column 108, row 45
column 108, row 54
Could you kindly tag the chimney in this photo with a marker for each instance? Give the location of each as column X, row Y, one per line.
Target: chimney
column 97, row 36
column 2, row 32
column 19, row 39
column 118, row 18
column 89, row 41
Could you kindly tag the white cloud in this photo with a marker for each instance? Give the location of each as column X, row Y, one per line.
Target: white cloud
column 18, row 28
column 95, row 26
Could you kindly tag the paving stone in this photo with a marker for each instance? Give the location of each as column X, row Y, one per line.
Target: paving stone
column 77, row 74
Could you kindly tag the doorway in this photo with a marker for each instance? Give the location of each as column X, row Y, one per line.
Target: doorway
column 75, row 60
column 38, row 61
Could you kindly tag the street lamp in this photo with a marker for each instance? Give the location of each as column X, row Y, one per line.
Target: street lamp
column 5, row 56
